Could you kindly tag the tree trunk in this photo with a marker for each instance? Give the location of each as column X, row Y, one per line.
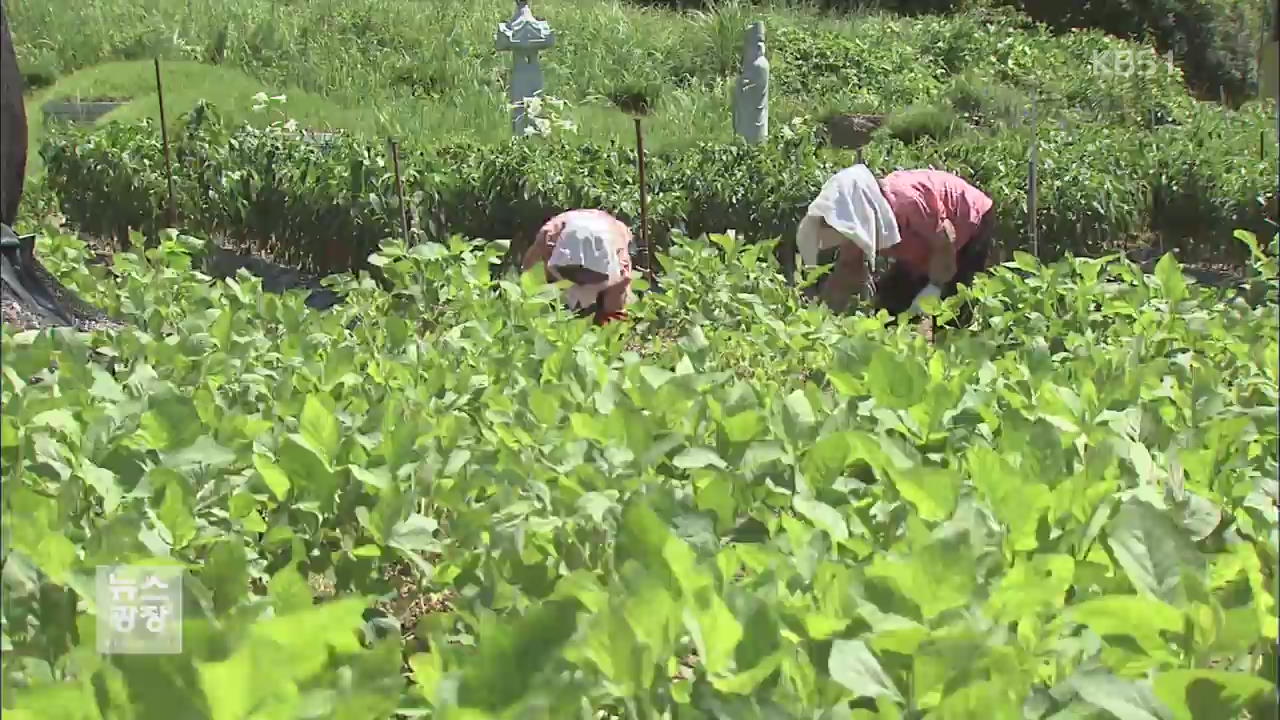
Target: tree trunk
column 13, row 126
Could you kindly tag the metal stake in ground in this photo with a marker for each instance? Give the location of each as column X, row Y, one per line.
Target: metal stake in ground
column 644, row 203
column 404, row 209
column 171, row 212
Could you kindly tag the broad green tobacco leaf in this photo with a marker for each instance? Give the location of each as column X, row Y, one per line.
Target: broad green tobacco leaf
column 177, row 513
column 202, row 455
column 1209, row 694
column 745, row 426
column 716, row 632
column 897, row 381
column 582, row 586
column 799, row 412
column 508, row 660
column 1243, row 559
column 61, row 420
column 1122, row 698
column 619, row 650
column 694, row 458
column 936, row 577
column 747, row 681
column 932, row 491
column 275, row 478
column 105, row 483
column 278, row 654
column 715, row 494
column 1154, row 551
column 1017, row 500
column 319, row 425
column 1034, row 586
column 1169, row 275
column 823, row 462
column 289, row 591
column 171, row 422
column 852, row 664
column 952, row 657
column 995, row 699
column 415, row 532
column 73, row 701
column 893, row 633
column 226, row 574
column 824, row 517
column 32, row 522
column 1142, row 618
column 309, row 473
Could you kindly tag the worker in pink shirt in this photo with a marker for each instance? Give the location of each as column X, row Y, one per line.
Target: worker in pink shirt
column 592, row 250
column 936, row 227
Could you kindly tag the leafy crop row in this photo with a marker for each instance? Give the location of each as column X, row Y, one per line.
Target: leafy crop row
column 737, row 506
column 325, row 208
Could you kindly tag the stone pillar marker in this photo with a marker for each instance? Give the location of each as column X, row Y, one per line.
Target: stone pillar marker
column 524, row 37
column 751, row 96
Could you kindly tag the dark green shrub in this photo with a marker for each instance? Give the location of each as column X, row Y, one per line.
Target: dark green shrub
column 1214, row 40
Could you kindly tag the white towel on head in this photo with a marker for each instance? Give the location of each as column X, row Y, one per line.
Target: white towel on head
column 850, row 202
column 587, row 241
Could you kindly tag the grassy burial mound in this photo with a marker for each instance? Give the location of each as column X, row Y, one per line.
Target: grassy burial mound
column 185, row 84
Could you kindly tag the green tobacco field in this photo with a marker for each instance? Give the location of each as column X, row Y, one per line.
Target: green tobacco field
column 447, row 498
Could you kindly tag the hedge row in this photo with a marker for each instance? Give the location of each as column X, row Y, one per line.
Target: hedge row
column 326, row 208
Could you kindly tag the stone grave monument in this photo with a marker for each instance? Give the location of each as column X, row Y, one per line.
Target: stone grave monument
column 524, row 36
column 751, row 96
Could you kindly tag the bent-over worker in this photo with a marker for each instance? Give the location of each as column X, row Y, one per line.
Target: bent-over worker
column 935, row 226
column 592, row 250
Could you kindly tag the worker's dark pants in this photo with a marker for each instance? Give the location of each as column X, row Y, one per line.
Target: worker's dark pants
column 899, row 286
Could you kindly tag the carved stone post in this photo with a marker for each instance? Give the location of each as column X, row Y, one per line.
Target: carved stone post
column 751, row 96
column 524, row 37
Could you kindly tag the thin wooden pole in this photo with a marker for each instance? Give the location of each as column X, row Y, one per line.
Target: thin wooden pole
column 1033, row 183
column 644, row 203
column 171, row 211
column 404, row 210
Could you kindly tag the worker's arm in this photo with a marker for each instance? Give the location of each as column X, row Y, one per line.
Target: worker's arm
column 613, row 299
column 543, row 243
column 847, row 277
